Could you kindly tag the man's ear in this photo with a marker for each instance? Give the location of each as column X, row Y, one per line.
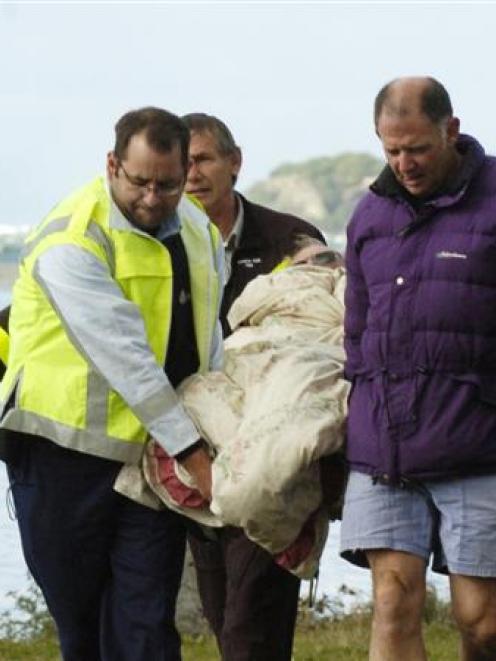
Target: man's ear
column 236, row 160
column 453, row 130
column 112, row 164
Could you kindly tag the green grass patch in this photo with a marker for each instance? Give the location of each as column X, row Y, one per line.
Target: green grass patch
column 323, row 632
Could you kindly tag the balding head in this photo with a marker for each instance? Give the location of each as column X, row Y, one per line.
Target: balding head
column 415, row 123
column 405, row 97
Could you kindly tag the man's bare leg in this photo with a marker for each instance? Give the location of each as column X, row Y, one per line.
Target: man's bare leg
column 474, row 609
column 399, row 595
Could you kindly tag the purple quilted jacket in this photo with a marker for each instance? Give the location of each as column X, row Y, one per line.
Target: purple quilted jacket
column 420, row 327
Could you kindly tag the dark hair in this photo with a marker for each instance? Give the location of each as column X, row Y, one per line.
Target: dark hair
column 162, row 130
column 199, row 121
column 435, row 102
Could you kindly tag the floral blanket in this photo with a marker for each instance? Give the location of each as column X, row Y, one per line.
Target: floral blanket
column 277, row 407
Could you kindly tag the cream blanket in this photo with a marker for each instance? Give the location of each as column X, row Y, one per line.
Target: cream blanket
column 277, row 407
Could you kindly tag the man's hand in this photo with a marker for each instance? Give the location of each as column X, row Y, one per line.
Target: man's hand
column 199, row 466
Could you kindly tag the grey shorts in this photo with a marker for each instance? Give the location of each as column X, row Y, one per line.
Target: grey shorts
column 453, row 520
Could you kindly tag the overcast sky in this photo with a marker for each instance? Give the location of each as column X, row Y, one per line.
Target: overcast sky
column 292, row 80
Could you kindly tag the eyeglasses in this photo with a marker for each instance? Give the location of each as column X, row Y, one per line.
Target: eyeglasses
column 161, row 188
column 324, row 258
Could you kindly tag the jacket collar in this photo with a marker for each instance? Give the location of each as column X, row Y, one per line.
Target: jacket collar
column 232, row 241
column 253, row 232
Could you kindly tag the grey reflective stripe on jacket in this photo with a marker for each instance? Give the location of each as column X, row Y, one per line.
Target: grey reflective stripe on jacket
column 94, row 231
column 88, row 440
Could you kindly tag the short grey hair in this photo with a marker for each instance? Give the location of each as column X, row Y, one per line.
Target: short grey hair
column 199, row 121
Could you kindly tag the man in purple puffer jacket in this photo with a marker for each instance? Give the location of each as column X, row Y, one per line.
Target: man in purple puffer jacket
column 421, row 343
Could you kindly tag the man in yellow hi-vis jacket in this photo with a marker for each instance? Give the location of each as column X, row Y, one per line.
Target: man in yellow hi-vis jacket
column 116, row 303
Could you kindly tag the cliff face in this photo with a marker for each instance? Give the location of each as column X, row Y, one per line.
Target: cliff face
column 322, row 190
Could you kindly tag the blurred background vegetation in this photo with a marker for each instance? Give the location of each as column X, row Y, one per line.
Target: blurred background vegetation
column 322, row 190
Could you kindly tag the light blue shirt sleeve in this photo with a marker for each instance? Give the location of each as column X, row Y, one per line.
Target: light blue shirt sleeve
column 109, row 331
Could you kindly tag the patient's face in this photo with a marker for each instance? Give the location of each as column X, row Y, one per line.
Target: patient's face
column 317, row 254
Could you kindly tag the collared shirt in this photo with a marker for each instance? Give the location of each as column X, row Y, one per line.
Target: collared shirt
column 232, row 241
column 109, row 331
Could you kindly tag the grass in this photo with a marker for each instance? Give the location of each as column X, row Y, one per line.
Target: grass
column 348, row 639
column 324, row 632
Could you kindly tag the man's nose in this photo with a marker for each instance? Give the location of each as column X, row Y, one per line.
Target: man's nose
column 151, row 198
column 405, row 162
column 193, row 171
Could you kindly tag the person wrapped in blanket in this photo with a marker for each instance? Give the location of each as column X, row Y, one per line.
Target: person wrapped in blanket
column 281, row 403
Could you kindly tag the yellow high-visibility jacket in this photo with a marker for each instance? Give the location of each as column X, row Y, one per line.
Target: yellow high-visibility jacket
column 4, row 350
column 52, row 387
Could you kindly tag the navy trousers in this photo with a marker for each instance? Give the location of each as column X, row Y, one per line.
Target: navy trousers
column 109, row 569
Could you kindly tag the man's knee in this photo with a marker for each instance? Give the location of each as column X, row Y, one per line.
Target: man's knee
column 474, row 610
column 478, row 631
column 398, row 603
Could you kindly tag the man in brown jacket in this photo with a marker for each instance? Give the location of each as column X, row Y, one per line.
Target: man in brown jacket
column 249, row 601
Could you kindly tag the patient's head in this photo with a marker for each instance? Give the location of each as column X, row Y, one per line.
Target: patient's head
column 314, row 252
